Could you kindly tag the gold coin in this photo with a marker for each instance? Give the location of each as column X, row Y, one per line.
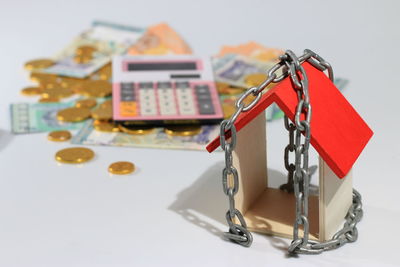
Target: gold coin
column 228, row 110
column 69, row 82
column 57, row 92
column 121, row 167
column 101, row 113
column 96, row 88
column 105, row 126
column 73, row 114
column 59, row 136
column 182, row 130
column 106, row 104
column 49, row 100
column 255, row 79
column 31, row 91
column 39, row 64
column 86, row 103
column 74, row 155
column 85, row 50
column 105, row 72
column 82, row 59
column 41, row 77
column 136, row 129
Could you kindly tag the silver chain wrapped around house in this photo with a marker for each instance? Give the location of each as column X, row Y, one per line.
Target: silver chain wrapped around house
column 298, row 172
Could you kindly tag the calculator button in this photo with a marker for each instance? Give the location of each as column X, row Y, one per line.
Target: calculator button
column 166, row 100
column 182, row 85
column 204, row 97
column 146, row 85
column 205, row 107
column 185, row 101
column 127, row 109
column 164, row 85
column 202, row 89
column 127, row 98
column 128, row 86
column 127, row 92
column 148, row 109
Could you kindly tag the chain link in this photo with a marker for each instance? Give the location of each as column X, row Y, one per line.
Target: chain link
column 298, row 172
column 230, row 184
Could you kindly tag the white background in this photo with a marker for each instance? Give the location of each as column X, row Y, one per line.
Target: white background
column 171, row 211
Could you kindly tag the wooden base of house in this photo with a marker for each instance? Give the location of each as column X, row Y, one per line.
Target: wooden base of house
column 272, row 211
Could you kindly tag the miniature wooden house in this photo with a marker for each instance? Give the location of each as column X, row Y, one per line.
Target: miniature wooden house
column 338, row 134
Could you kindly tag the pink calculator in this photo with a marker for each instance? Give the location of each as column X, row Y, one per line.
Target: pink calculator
column 164, row 89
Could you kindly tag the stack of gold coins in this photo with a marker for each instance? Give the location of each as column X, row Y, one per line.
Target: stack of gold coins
column 53, row 88
column 135, row 129
column 183, row 130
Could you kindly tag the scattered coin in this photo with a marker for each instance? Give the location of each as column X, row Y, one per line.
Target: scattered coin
column 86, row 103
column 57, row 92
column 43, row 78
column 121, row 167
column 73, row 114
column 96, row 88
column 136, row 129
column 32, row 91
column 182, row 130
column 255, row 79
column 105, row 126
column 70, row 82
column 74, row 155
column 49, row 100
column 38, row 64
column 59, row 136
column 102, row 113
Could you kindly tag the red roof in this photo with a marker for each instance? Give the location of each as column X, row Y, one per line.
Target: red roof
column 338, row 133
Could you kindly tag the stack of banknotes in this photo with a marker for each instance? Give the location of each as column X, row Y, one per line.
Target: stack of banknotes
column 234, row 68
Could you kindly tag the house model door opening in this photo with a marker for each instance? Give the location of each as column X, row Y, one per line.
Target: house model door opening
column 334, row 129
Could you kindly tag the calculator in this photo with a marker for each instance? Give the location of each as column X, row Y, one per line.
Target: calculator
column 163, row 90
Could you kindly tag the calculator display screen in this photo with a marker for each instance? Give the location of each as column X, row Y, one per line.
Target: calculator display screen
column 161, row 66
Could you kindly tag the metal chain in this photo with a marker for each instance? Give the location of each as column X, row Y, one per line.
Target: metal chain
column 290, row 148
column 230, row 183
column 298, row 173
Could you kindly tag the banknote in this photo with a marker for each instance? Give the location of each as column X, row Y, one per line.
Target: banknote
column 107, row 39
column 253, row 50
column 39, row 117
column 233, row 68
column 157, row 139
column 160, row 39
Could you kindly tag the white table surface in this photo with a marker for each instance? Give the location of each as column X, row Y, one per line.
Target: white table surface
column 171, row 211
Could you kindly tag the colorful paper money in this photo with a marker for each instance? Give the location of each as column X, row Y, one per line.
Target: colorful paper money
column 108, row 39
column 39, row 117
column 253, row 50
column 156, row 139
column 160, row 39
column 233, row 69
